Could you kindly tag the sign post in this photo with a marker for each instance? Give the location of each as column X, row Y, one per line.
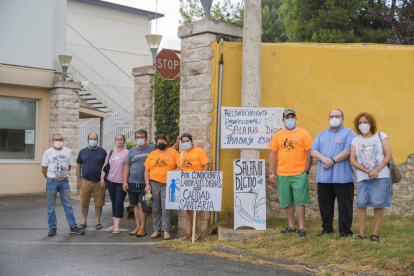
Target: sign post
column 167, row 64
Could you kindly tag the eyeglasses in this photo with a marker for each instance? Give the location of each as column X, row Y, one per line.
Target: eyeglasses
column 335, row 116
column 58, row 140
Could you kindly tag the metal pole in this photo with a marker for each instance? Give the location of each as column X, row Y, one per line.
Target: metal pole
column 218, row 115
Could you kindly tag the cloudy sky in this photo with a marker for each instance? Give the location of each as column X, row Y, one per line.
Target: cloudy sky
column 168, row 25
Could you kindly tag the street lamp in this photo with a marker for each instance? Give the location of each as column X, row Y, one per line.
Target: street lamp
column 154, row 42
column 206, row 6
column 64, row 62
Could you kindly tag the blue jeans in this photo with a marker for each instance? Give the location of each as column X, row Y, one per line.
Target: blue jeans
column 52, row 188
column 373, row 193
column 117, row 197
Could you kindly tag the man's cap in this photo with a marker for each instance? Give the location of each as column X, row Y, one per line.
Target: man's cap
column 287, row 112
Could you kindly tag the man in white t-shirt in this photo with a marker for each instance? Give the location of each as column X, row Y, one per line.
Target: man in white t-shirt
column 56, row 164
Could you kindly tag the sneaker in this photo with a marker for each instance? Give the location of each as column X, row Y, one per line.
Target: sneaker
column 301, row 233
column 288, row 230
column 75, row 230
column 344, row 236
column 52, row 232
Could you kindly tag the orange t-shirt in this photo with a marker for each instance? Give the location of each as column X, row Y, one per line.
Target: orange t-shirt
column 160, row 163
column 291, row 147
column 193, row 160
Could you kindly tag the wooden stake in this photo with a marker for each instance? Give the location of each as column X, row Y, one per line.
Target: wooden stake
column 194, row 225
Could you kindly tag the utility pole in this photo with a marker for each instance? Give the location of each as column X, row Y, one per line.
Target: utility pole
column 251, row 80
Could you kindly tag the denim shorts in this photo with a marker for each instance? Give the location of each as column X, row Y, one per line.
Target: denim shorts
column 373, row 193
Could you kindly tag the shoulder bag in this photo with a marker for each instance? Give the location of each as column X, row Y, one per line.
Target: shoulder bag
column 107, row 168
column 395, row 175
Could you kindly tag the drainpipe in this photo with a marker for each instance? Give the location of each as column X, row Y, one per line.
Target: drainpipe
column 218, row 133
column 101, row 132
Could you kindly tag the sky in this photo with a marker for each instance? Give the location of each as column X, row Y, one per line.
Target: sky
column 168, row 25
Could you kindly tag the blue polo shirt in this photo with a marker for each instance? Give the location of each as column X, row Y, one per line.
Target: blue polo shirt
column 330, row 143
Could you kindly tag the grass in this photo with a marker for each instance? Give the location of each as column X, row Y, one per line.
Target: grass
column 394, row 255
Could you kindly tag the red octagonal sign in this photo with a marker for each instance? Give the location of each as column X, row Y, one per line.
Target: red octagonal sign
column 167, row 64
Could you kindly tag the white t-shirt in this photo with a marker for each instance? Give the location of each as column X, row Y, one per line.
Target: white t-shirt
column 369, row 154
column 57, row 162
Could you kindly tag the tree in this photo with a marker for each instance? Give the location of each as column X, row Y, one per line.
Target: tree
column 273, row 29
column 332, row 21
column 191, row 10
column 399, row 20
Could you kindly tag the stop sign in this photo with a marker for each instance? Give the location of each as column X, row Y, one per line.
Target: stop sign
column 167, row 64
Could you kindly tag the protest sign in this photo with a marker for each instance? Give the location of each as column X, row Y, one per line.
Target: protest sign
column 249, row 193
column 199, row 191
column 249, row 128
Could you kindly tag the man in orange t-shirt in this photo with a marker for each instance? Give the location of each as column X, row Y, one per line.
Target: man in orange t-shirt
column 292, row 146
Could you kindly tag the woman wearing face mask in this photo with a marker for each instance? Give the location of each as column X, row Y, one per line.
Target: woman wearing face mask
column 370, row 157
column 191, row 159
column 116, row 159
column 158, row 163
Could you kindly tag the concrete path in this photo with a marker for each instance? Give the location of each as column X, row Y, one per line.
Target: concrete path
column 25, row 248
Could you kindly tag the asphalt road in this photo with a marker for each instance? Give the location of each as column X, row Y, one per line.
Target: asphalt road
column 25, row 248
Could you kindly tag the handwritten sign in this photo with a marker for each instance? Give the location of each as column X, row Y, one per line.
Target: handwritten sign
column 249, row 128
column 249, row 193
column 199, row 191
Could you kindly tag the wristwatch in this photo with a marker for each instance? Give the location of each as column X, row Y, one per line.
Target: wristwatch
column 333, row 160
column 271, row 173
column 307, row 172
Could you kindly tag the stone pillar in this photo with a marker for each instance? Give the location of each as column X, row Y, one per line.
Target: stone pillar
column 196, row 100
column 143, row 99
column 251, row 80
column 64, row 119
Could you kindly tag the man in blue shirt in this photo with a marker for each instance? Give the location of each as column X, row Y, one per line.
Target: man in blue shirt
column 90, row 161
column 335, row 175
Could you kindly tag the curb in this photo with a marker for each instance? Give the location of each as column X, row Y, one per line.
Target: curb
column 279, row 261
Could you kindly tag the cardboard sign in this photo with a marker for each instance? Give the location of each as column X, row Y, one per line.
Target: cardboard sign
column 199, row 191
column 249, row 128
column 249, row 193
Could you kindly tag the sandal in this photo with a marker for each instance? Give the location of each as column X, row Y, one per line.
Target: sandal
column 141, row 233
column 167, row 236
column 197, row 235
column 359, row 238
column 156, row 235
column 374, row 238
column 82, row 226
column 98, row 226
column 133, row 233
column 116, row 232
column 110, row 229
column 186, row 237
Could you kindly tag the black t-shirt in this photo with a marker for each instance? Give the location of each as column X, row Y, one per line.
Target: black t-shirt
column 92, row 161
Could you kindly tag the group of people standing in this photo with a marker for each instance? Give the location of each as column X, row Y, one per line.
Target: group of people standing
column 339, row 151
column 141, row 170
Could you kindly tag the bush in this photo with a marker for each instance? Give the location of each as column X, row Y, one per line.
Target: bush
column 130, row 145
column 167, row 107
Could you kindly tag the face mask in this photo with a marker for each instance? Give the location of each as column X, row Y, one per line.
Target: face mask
column 290, row 123
column 58, row 144
column 120, row 144
column 334, row 122
column 364, row 128
column 93, row 143
column 140, row 142
column 186, row 145
column 162, row 146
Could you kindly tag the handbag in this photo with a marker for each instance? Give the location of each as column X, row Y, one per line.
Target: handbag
column 107, row 168
column 395, row 175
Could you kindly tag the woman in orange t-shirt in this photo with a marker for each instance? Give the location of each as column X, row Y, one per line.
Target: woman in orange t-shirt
column 158, row 163
column 191, row 159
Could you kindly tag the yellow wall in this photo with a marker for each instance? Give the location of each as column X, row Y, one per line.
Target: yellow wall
column 26, row 176
column 313, row 79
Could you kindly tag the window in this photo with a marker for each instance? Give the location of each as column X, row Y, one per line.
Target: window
column 18, row 131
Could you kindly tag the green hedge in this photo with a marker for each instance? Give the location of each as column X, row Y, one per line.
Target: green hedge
column 167, row 107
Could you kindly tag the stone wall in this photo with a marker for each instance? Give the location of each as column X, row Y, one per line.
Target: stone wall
column 196, row 94
column 143, row 99
column 64, row 118
column 402, row 200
